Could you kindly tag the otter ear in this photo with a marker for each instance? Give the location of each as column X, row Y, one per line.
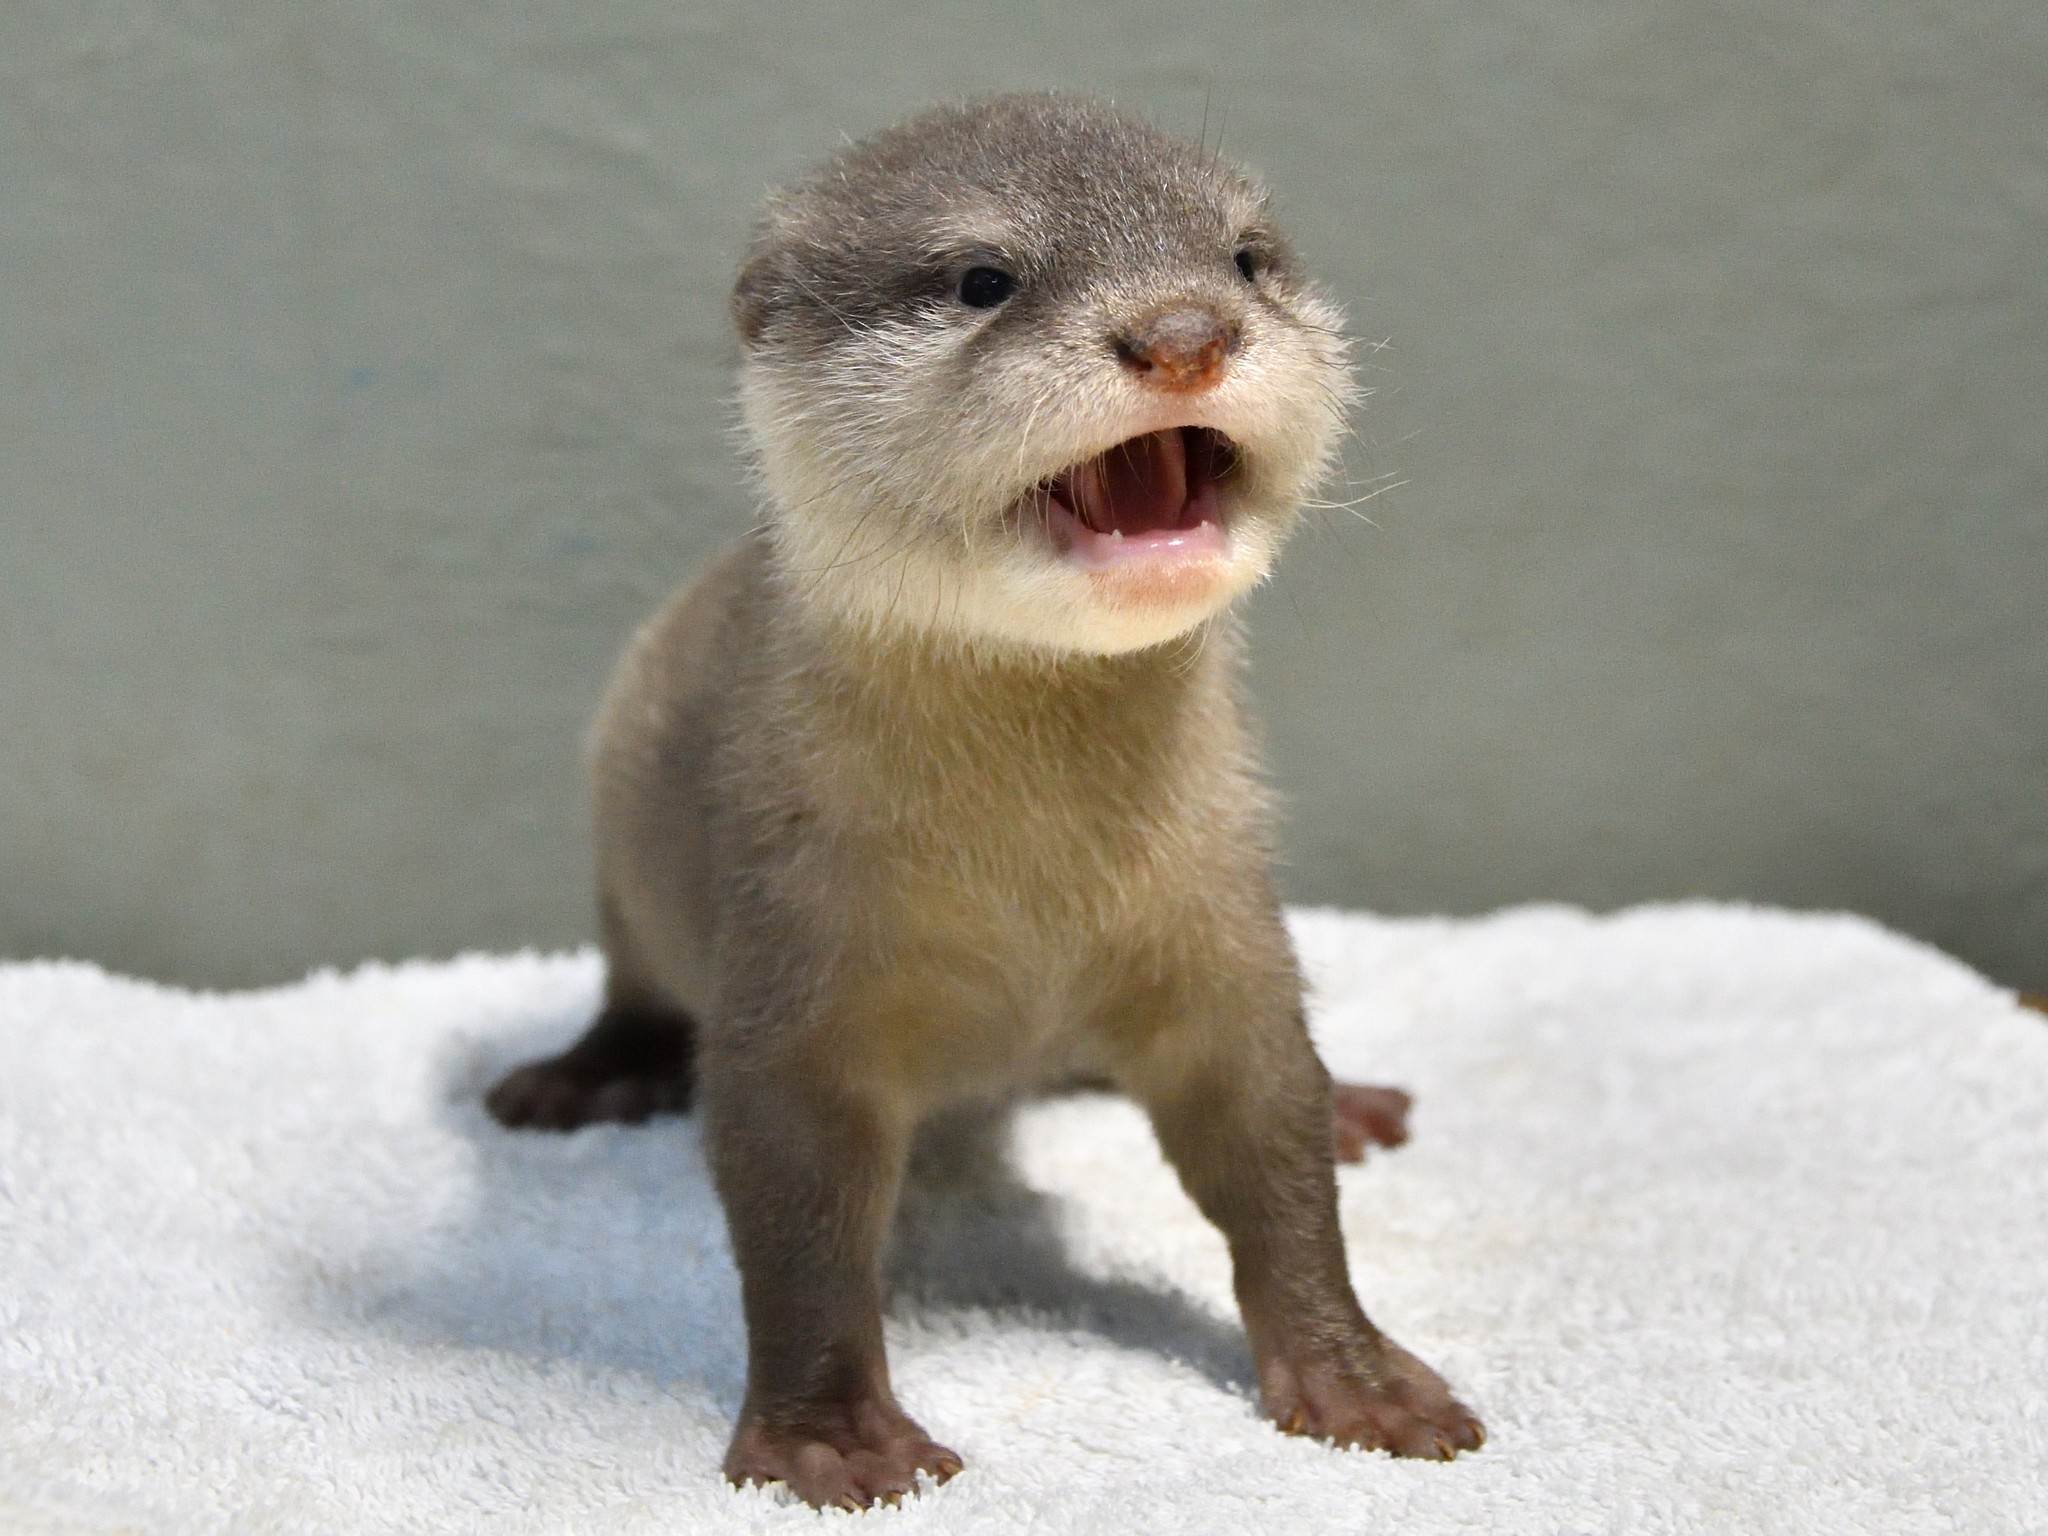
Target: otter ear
column 750, row 297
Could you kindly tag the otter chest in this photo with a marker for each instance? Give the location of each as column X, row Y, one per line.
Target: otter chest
column 1000, row 937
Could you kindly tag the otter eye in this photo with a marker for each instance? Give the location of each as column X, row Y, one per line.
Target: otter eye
column 1247, row 263
column 985, row 287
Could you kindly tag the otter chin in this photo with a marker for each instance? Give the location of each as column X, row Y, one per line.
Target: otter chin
column 936, row 792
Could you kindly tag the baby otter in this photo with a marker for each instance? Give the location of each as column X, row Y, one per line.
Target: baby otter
column 936, row 789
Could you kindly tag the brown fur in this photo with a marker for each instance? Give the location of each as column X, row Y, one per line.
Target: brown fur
column 887, row 861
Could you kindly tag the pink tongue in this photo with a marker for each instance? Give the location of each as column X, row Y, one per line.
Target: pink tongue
column 1137, row 487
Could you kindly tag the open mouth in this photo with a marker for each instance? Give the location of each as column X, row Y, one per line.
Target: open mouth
column 1153, row 497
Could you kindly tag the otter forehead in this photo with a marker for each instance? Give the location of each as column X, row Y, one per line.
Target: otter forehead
column 1065, row 193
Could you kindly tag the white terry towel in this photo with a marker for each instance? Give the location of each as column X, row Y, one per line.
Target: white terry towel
column 1725, row 1220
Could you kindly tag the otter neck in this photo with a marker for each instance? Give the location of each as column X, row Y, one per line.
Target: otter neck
column 966, row 731
column 942, row 679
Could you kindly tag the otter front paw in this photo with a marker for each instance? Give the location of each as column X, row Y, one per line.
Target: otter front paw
column 1381, row 1398
column 864, row 1457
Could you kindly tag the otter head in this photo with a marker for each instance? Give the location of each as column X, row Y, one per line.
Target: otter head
column 1027, row 370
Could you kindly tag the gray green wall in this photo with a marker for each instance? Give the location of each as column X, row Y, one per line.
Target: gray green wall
column 363, row 380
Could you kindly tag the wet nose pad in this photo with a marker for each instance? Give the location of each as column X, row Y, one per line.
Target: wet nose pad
column 1183, row 348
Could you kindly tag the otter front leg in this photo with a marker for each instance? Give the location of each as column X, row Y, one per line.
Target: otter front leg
column 1242, row 1108
column 808, row 1172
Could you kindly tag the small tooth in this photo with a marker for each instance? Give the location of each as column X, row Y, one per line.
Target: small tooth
column 1116, row 533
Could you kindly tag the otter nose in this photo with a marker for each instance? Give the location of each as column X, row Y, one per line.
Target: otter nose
column 1181, row 347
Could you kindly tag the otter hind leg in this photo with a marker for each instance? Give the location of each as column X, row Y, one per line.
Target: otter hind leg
column 636, row 1060
column 1363, row 1115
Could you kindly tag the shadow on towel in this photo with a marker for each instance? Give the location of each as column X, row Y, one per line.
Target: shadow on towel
column 607, row 1248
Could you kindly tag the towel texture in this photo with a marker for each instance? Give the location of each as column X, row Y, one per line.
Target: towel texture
column 1723, row 1219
